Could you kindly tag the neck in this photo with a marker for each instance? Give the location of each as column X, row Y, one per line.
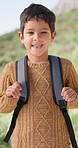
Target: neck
column 39, row 59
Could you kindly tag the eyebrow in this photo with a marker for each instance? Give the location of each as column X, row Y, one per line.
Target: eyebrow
column 34, row 29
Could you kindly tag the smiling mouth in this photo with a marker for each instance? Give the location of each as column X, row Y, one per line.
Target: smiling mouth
column 37, row 46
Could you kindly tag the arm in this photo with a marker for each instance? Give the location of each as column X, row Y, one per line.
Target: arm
column 8, row 91
column 70, row 91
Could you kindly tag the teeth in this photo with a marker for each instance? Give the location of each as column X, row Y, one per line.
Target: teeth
column 36, row 46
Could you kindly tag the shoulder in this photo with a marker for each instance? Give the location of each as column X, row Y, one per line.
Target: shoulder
column 68, row 69
column 9, row 69
column 9, row 73
column 66, row 62
column 67, row 65
column 10, row 66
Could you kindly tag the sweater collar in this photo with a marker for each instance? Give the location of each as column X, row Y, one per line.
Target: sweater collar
column 36, row 65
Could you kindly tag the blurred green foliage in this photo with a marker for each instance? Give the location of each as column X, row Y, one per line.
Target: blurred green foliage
column 65, row 45
column 4, row 124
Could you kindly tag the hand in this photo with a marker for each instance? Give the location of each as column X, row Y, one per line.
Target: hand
column 68, row 94
column 14, row 90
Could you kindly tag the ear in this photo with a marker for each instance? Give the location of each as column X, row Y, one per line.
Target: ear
column 20, row 36
column 53, row 36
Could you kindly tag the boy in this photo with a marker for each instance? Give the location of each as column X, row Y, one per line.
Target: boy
column 40, row 124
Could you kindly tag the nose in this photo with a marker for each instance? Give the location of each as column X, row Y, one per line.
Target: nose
column 37, row 37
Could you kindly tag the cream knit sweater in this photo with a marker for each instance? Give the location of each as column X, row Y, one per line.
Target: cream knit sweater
column 40, row 123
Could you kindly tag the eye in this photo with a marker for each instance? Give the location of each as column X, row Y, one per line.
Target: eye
column 43, row 32
column 30, row 33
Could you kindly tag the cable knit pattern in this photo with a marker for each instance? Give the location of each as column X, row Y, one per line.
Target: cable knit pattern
column 40, row 123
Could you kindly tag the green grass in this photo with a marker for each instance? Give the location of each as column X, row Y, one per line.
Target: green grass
column 5, row 120
column 74, row 118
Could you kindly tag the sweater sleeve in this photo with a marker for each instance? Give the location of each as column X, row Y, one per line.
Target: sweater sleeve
column 8, row 77
column 71, row 81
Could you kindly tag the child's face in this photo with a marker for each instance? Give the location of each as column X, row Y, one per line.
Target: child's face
column 36, row 38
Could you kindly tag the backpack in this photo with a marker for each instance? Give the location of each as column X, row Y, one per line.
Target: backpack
column 57, row 83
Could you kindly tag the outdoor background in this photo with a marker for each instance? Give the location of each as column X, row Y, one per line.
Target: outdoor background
column 65, row 44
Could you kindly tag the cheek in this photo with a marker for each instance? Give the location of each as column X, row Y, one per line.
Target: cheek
column 27, row 43
column 47, row 38
column 26, row 40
